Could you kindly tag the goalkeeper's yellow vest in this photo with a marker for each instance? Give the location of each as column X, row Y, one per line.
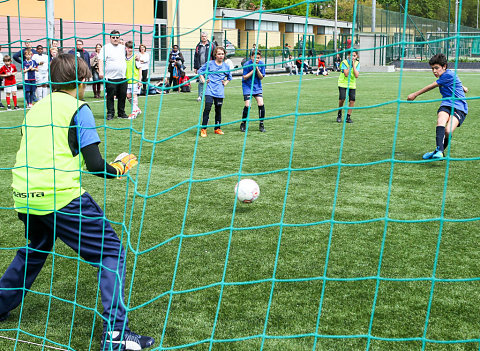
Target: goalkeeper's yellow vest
column 343, row 81
column 133, row 73
column 46, row 176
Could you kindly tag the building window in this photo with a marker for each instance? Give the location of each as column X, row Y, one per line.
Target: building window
column 298, row 28
column 325, row 30
column 264, row 26
column 160, row 9
column 228, row 24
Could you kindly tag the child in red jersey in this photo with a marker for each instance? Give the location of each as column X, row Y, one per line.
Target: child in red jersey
column 7, row 72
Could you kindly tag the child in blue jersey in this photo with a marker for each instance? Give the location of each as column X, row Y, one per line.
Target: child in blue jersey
column 450, row 87
column 29, row 68
column 218, row 75
column 252, row 86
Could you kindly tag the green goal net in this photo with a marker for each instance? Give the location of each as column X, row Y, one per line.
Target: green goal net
column 354, row 243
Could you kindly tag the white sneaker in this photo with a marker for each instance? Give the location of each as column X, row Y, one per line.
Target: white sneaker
column 130, row 341
column 199, row 98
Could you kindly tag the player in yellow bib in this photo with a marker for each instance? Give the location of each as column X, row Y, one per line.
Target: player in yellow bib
column 58, row 138
column 347, row 80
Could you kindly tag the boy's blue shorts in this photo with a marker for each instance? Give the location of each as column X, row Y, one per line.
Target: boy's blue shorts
column 458, row 114
column 30, row 85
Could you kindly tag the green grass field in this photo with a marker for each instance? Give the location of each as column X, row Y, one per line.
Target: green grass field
column 354, row 242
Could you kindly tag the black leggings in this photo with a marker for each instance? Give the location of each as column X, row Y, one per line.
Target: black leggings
column 209, row 101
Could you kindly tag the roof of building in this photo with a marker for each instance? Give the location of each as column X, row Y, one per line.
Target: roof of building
column 268, row 15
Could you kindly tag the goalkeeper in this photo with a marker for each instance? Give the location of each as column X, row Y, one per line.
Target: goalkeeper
column 58, row 138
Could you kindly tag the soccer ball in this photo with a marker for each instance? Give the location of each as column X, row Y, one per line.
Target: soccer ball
column 247, row 190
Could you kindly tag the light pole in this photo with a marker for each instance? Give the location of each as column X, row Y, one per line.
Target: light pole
column 335, row 29
column 374, row 5
column 478, row 5
column 50, row 19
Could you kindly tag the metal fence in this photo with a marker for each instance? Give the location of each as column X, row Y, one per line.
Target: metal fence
column 416, row 37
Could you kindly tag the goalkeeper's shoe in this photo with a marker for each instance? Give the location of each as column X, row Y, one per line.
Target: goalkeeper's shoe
column 434, row 154
column 128, row 341
column 203, row 132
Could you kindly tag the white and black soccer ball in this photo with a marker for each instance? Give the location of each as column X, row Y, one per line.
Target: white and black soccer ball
column 247, row 190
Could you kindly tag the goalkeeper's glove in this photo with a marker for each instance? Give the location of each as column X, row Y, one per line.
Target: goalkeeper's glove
column 123, row 163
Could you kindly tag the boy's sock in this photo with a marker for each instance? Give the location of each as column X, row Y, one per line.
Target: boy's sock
column 440, row 133
column 8, row 100
column 245, row 112
column 445, row 142
column 15, row 100
column 261, row 113
column 339, row 114
column 135, row 103
column 44, row 91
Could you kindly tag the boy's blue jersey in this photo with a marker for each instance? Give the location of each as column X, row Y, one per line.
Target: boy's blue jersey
column 257, row 83
column 86, row 130
column 445, row 82
column 30, row 75
column 215, row 86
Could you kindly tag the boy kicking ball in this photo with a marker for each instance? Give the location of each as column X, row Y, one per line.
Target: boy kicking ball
column 450, row 87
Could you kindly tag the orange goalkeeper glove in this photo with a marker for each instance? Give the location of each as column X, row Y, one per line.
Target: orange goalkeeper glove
column 123, row 163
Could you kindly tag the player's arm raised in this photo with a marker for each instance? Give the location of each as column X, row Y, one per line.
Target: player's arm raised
column 429, row 87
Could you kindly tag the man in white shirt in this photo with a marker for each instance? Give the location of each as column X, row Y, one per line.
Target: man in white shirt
column 112, row 67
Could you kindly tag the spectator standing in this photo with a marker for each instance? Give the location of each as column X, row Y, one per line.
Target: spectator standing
column 252, row 51
column 53, row 52
column 42, row 74
column 286, row 51
column 336, row 62
column 133, row 79
column 348, row 42
column 94, row 58
column 144, row 58
column 81, row 52
column 55, row 44
column 203, row 53
column 19, row 55
column 112, row 67
column 1, row 80
column 175, row 61
column 7, row 71
column 29, row 68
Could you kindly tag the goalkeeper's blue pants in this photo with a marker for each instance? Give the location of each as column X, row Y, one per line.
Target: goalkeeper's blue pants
column 91, row 236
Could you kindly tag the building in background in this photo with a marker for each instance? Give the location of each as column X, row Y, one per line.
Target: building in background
column 88, row 20
column 268, row 29
column 158, row 24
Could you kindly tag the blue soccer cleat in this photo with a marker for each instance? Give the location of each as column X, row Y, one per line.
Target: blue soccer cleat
column 438, row 155
column 434, row 154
